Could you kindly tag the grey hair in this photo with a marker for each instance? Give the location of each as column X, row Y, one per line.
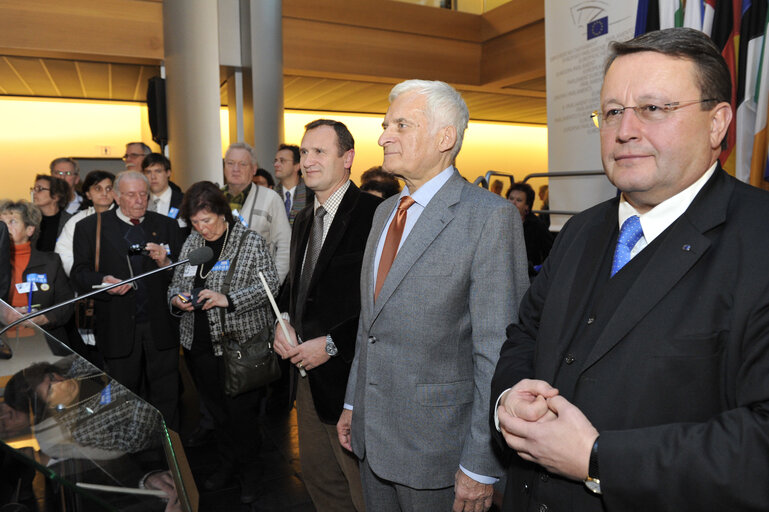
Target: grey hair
column 445, row 106
column 244, row 146
column 145, row 148
column 30, row 214
column 128, row 176
column 57, row 161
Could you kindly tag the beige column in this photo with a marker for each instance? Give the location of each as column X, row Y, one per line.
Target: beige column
column 191, row 38
column 262, row 51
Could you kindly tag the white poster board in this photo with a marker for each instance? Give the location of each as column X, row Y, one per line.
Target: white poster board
column 577, row 34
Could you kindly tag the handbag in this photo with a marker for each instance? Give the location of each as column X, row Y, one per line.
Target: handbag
column 252, row 364
column 85, row 321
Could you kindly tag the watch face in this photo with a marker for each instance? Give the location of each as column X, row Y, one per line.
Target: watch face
column 331, row 349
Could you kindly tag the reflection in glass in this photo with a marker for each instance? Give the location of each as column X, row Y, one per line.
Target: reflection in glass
column 98, row 445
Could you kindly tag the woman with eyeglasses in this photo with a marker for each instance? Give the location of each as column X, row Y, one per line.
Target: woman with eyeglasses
column 37, row 277
column 50, row 195
column 97, row 188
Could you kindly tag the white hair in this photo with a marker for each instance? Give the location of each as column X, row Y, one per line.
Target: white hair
column 242, row 145
column 445, row 106
column 128, row 176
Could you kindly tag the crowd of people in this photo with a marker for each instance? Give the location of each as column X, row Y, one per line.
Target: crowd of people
column 630, row 375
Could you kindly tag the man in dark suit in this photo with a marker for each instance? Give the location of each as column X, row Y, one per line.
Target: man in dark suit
column 322, row 296
column 640, row 363
column 135, row 332
column 163, row 199
column 443, row 271
column 291, row 187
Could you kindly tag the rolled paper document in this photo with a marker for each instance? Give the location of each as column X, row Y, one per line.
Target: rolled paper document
column 279, row 316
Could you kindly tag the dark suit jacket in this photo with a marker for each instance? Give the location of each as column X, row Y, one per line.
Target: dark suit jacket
column 303, row 196
column 115, row 314
column 677, row 382
column 176, row 198
column 333, row 297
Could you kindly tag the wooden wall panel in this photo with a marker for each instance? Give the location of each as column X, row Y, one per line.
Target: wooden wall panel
column 511, row 16
column 316, row 46
column 517, row 56
column 114, row 30
column 389, row 16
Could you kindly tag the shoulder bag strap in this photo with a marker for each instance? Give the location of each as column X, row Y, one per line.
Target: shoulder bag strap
column 98, row 242
column 230, row 273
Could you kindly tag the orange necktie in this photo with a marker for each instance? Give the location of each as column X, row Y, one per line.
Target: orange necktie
column 392, row 241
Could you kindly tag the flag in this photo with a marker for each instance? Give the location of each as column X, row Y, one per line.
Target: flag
column 725, row 34
column 707, row 16
column 759, row 167
column 693, row 14
column 751, row 43
column 647, row 17
column 598, row 27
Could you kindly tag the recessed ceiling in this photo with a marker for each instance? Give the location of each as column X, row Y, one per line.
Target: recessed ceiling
column 59, row 78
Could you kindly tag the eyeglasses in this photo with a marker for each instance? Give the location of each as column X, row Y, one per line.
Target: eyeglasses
column 132, row 155
column 63, row 173
column 38, row 188
column 648, row 113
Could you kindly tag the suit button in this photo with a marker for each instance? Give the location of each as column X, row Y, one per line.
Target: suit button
column 525, row 488
column 542, row 508
column 544, row 477
column 372, row 339
column 569, row 359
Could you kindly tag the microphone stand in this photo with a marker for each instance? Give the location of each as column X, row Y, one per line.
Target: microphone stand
column 95, row 292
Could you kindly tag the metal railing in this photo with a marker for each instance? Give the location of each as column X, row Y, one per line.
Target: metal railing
column 484, row 182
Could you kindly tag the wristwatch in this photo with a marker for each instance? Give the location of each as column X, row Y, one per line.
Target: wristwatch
column 330, row 347
column 593, row 482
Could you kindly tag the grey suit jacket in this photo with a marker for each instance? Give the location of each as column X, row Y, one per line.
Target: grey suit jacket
column 427, row 348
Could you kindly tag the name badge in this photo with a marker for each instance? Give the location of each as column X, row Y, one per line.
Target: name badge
column 173, row 212
column 37, row 278
column 223, row 265
column 106, row 394
column 26, row 287
column 190, row 271
column 237, row 215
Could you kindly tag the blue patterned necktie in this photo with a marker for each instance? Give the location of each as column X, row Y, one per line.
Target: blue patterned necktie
column 629, row 235
column 288, row 202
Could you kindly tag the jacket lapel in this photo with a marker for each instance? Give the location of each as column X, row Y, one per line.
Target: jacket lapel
column 367, row 271
column 435, row 217
column 681, row 248
column 335, row 233
column 594, row 240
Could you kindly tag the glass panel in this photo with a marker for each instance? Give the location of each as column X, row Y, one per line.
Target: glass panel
column 92, row 439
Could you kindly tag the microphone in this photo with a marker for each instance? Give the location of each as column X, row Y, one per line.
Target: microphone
column 196, row 257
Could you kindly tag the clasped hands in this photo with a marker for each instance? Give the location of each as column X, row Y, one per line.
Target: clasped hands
column 308, row 355
column 545, row 428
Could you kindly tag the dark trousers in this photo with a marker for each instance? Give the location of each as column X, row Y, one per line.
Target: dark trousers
column 235, row 418
column 150, row 369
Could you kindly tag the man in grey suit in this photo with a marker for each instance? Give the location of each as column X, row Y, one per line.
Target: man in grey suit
column 443, row 271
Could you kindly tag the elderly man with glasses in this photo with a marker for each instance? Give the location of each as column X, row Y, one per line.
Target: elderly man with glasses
column 637, row 375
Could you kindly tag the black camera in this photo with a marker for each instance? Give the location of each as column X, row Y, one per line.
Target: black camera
column 138, row 249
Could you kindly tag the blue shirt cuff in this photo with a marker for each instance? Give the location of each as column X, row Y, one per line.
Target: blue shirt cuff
column 488, row 480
